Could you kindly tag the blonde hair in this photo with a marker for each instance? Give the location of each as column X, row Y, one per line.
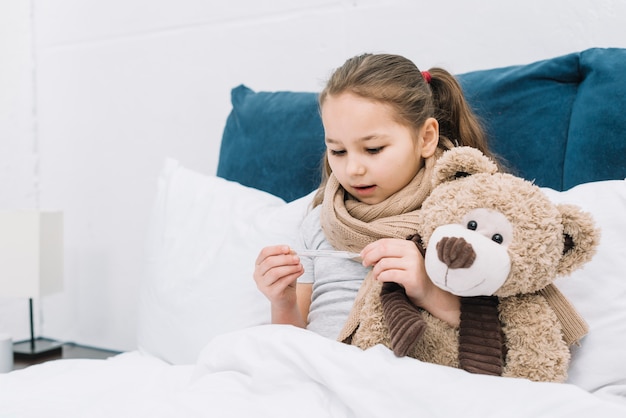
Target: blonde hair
column 397, row 82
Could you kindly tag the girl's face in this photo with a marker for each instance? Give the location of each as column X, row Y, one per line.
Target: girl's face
column 371, row 155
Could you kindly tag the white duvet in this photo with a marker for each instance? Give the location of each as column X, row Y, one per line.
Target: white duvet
column 282, row 371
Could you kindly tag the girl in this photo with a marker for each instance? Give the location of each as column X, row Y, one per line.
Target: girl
column 385, row 125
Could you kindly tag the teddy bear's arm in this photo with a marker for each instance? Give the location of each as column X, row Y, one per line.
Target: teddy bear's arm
column 535, row 346
column 403, row 319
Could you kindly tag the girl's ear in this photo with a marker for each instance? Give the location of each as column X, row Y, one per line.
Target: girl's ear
column 430, row 137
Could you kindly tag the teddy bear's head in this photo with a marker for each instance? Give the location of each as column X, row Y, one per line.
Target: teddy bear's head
column 491, row 233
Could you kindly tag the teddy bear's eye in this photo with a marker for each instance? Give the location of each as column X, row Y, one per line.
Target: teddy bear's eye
column 472, row 225
column 497, row 238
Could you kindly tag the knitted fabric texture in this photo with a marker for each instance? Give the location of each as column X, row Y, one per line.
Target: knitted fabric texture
column 350, row 225
column 574, row 326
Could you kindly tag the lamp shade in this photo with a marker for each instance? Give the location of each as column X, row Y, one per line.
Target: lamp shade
column 31, row 253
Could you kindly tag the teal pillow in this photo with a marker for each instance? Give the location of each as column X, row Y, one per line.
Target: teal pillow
column 560, row 121
column 596, row 149
column 273, row 141
column 526, row 111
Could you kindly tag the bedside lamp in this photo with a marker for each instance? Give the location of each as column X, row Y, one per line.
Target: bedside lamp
column 31, row 265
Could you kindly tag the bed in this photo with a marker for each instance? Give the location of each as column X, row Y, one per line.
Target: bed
column 205, row 345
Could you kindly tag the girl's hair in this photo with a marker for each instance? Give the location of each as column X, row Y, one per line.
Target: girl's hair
column 396, row 81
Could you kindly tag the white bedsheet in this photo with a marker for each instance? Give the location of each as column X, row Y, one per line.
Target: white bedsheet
column 282, row 371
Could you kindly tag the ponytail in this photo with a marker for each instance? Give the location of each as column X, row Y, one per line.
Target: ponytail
column 457, row 121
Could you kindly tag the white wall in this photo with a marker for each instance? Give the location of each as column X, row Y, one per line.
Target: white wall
column 100, row 92
column 19, row 170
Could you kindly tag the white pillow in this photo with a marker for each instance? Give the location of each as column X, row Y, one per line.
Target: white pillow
column 598, row 290
column 204, row 238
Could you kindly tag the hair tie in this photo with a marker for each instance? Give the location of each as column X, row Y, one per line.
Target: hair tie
column 426, row 76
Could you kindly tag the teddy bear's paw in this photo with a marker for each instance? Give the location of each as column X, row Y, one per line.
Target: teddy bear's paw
column 403, row 319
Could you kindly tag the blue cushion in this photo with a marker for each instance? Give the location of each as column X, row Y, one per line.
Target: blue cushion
column 273, row 142
column 596, row 149
column 526, row 111
column 559, row 122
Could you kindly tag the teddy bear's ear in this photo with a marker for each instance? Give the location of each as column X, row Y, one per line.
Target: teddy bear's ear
column 461, row 162
column 580, row 237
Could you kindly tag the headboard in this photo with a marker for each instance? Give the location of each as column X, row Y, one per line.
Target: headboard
column 559, row 122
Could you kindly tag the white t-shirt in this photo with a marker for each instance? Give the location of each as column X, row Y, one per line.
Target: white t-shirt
column 335, row 281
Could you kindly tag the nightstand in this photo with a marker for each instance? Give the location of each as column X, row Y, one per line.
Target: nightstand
column 68, row 351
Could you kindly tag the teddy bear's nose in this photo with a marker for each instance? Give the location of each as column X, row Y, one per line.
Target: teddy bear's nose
column 455, row 252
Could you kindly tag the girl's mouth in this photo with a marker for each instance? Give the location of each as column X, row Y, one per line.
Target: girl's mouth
column 364, row 190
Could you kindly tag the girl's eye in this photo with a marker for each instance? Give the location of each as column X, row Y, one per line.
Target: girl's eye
column 375, row 150
column 337, row 152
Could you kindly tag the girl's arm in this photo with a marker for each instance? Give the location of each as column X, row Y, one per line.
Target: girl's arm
column 296, row 314
column 440, row 304
column 303, row 294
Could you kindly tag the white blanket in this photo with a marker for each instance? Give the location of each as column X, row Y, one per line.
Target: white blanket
column 282, row 371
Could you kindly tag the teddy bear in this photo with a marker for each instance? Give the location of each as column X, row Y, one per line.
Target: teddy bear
column 496, row 241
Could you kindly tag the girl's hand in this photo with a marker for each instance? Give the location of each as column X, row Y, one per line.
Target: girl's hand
column 399, row 261
column 275, row 273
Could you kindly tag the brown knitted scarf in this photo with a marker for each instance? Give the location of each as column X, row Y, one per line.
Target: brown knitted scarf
column 350, row 225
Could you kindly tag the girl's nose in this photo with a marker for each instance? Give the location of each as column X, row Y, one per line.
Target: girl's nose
column 355, row 167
